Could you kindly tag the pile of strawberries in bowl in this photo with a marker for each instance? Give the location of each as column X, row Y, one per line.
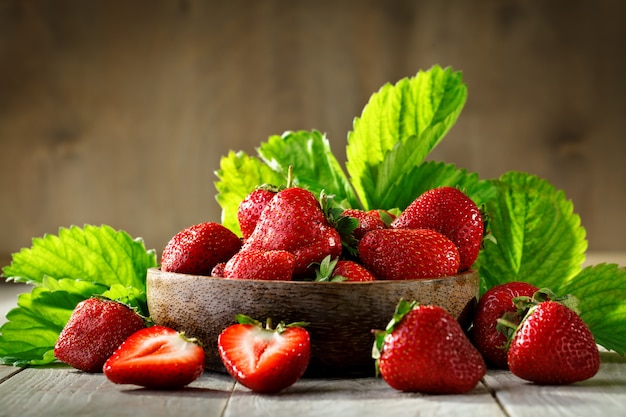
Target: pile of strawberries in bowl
column 291, row 235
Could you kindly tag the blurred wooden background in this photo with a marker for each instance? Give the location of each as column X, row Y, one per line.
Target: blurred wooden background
column 118, row 112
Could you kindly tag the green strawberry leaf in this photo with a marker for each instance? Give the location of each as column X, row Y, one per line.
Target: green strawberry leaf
column 65, row 270
column 538, row 237
column 314, row 165
column 96, row 254
column 415, row 180
column 240, row 174
column 418, row 110
column 601, row 291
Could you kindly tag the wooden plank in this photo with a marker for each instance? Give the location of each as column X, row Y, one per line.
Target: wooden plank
column 7, row 372
column 358, row 397
column 65, row 392
column 603, row 395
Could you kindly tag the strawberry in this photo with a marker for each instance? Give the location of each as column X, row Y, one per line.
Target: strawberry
column 156, row 357
column 198, row 248
column 342, row 270
column 553, row 346
column 294, row 221
column 218, row 270
column 395, row 254
column 450, row 212
column 368, row 220
column 424, row 349
column 96, row 327
column 250, row 208
column 274, row 265
column 263, row 359
column 493, row 305
column 385, row 215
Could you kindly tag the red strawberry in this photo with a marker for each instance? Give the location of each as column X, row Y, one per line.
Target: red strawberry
column 493, row 305
column 342, row 270
column 251, row 207
column 385, row 215
column 274, row 265
column 96, row 327
column 424, row 349
column 294, row 221
column 264, row 359
column 218, row 270
column 156, row 357
column 395, row 254
column 367, row 221
column 553, row 346
column 198, row 248
column 450, row 212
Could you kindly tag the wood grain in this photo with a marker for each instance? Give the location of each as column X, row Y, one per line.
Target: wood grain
column 60, row 390
column 118, row 112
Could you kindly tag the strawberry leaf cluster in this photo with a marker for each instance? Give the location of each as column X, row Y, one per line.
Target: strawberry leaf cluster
column 64, row 270
column 534, row 234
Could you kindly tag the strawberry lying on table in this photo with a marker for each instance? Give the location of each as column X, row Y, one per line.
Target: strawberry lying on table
column 96, row 328
column 264, row 359
column 424, row 349
column 156, row 357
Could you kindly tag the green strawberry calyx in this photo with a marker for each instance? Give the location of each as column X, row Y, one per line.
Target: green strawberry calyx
column 324, row 270
column 510, row 322
column 402, row 309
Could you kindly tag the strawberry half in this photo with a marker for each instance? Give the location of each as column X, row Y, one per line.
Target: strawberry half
column 450, row 212
column 157, row 357
column 424, row 349
column 263, row 359
column 95, row 329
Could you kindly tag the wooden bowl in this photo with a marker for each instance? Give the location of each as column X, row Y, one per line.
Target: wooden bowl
column 341, row 314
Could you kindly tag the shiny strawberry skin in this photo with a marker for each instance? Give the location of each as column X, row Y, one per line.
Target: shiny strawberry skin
column 398, row 254
column 493, row 305
column 428, row 352
column 198, row 248
column 352, row 272
column 157, row 357
column 272, row 265
column 264, row 360
column 368, row 221
column 451, row 212
column 250, row 210
column 553, row 346
column 294, row 221
column 95, row 329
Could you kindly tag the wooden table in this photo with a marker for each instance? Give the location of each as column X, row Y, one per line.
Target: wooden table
column 62, row 391
column 65, row 392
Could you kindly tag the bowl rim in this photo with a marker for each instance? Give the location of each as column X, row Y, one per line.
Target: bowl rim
column 469, row 273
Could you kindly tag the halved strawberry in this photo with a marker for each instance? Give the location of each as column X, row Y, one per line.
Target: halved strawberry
column 264, row 359
column 156, row 357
